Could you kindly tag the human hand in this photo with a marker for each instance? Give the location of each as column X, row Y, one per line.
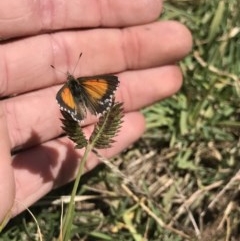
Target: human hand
column 143, row 55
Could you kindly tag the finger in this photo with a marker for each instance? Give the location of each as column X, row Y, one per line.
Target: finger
column 131, row 48
column 54, row 163
column 141, row 88
column 7, row 185
column 21, row 18
column 39, row 121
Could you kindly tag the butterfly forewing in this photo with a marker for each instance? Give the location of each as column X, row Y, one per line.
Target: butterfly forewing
column 99, row 87
column 65, row 99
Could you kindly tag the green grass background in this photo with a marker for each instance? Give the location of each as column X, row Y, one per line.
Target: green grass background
column 186, row 164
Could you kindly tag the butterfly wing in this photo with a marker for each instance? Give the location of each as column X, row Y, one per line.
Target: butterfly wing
column 68, row 103
column 93, row 93
column 98, row 91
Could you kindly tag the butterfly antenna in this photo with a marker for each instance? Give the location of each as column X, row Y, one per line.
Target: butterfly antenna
column 58, row 70
column 80, row 55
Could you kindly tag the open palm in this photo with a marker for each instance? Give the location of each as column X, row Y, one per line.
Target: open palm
column 115, row 36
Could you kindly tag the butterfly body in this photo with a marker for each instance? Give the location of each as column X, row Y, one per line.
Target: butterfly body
column 93, row 93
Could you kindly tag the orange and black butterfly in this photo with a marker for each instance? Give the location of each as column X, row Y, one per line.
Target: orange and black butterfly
column 87, row 93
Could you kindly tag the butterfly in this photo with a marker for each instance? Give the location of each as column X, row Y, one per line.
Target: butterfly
column 93, row 93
